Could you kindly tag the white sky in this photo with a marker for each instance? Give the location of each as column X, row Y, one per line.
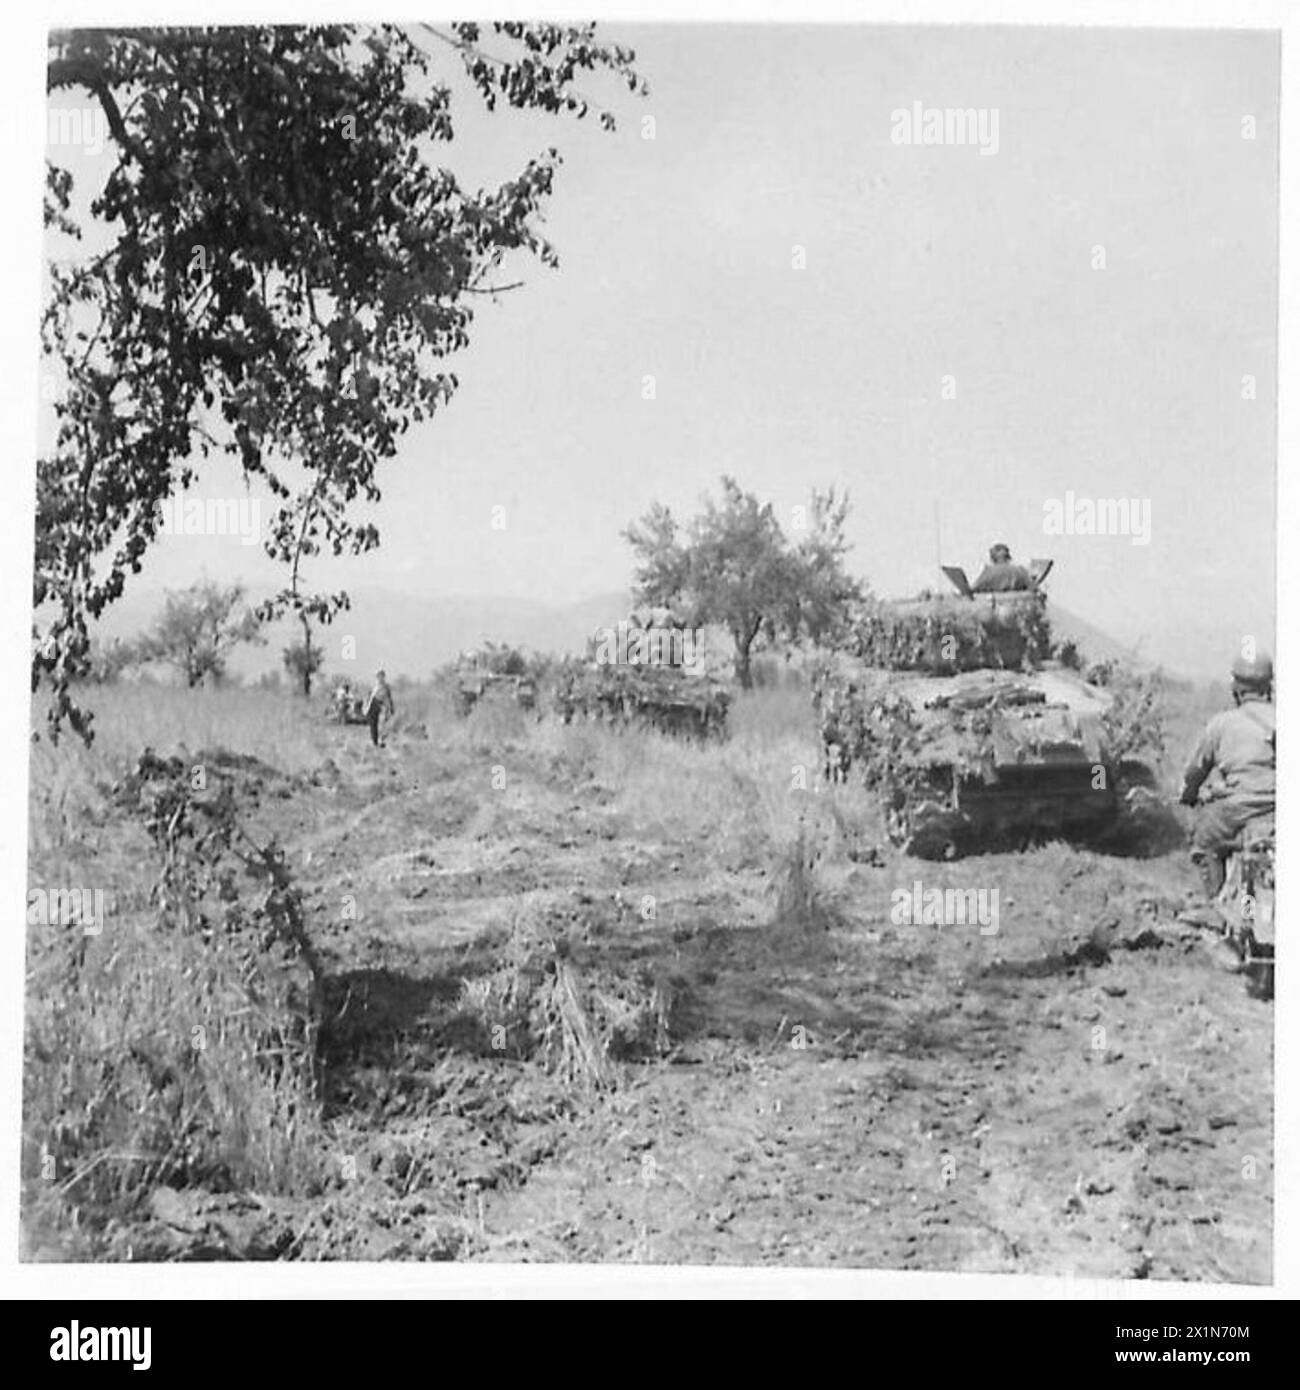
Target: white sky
column 676, row 261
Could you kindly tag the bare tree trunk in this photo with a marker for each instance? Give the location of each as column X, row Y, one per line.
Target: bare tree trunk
column 306, row 657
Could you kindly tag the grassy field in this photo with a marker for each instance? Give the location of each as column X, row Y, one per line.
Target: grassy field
column 590, row 994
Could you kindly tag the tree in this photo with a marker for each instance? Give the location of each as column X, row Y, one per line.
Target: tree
column 290, row 264
column 199, row 627
column 108, row 661
column 734, row 566
column 303, row 660
column 825, row 596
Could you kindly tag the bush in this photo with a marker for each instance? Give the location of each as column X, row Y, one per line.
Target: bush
column 1135, row 725
column 177, row 1047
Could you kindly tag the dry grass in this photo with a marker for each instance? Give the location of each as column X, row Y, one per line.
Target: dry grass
column 279, row 728
column 151, row 1062
column 563, row 1009
column 152, row 1058
column 118, row 1096
column 738, row 796
column 801, row 898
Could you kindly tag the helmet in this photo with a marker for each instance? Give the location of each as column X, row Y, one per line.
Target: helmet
column 1255, row 673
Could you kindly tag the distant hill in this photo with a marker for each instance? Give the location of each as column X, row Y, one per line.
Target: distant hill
column 1094, row 644
column 412, row 635
column 406, row 634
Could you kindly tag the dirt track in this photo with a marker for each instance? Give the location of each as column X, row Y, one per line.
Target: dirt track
column 1082, row 1093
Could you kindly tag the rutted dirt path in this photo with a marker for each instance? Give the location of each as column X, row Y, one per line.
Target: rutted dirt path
column 1081, row 1093
column 993, row 1137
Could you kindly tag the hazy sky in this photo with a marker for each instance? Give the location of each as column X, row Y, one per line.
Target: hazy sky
column 922, row 262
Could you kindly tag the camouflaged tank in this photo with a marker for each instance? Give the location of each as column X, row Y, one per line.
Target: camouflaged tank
column 493, row 668
column 950, row 707
column 473, row 684
column 644, row 671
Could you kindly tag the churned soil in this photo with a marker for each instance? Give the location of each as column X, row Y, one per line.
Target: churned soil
column 1082, row 1091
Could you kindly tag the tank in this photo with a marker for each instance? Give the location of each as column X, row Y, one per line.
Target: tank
column 953, row 709
column 494, row 668
column 644, row 671
column 473, row 684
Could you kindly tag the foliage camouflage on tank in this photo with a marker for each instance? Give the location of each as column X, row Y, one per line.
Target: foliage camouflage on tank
column 953, row 710
column 657, row 689
column 659, row 697
column 496, row 666
column 942, row 635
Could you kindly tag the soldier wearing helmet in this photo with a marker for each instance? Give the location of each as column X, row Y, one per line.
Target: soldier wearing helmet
column 1237, row 757
column 1000, row 576
column 379, row 703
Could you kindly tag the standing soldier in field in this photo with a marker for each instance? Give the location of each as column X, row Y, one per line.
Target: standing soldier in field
column 343, row 701
column 379, row 704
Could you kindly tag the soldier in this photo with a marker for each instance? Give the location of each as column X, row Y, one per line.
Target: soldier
column 1000, row 576
column 836, row 729
column 379, row 703
column 1241, row 744
column 343, row 701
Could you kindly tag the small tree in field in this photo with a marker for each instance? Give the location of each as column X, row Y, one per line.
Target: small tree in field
column 199, row 627
column 733, row 565
column 109, row 660
column 303, row 660
column 824, row 596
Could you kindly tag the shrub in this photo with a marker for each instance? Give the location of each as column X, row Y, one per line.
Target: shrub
column 177, row 1047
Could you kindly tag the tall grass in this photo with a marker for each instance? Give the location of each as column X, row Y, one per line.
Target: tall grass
column 148, row 1063
column 752, row 801
column 277, row 727
column 152, row 1057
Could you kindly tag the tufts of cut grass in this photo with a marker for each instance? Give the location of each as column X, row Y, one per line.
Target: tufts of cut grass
column 801, row 902
column 576, row 1017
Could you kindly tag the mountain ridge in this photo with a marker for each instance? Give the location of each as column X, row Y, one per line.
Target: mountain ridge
column 410, row 634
